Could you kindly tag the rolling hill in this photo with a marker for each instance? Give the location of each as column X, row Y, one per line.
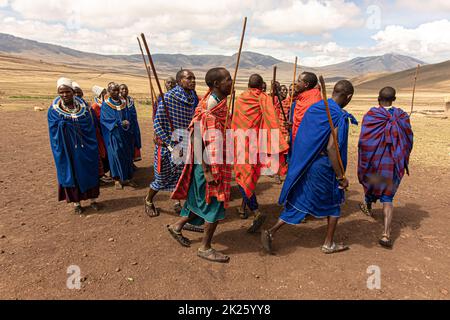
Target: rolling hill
column 169, row 63
column 431, row 77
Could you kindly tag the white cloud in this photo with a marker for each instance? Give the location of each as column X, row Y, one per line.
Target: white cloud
column 159, row 14
column 429, row 41
column 276, row 28
column 310, row 17
column 439, row 6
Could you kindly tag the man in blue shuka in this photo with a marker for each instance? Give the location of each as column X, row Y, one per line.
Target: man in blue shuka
column 315, row 183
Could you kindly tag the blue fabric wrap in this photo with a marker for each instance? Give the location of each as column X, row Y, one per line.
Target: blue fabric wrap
column 74, row 146
column 311, row 186
column 135, row 124
column 119, row 141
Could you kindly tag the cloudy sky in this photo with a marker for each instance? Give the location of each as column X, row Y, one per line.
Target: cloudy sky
column 320, row 32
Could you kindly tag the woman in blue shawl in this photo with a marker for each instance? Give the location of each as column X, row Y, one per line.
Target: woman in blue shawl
column 118, row 132
column 134, row 123
column 315, row 184
column 74, row 146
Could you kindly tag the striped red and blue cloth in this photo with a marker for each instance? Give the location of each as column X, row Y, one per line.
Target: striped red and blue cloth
column 385, row 146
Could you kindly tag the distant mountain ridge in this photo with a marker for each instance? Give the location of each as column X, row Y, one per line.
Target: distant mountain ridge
column 250, row 61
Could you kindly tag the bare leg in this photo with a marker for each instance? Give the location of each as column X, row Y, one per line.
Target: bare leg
column 151, row 194
column 388, row 211
column 242, row 212
column 267, row 236
column 210, row 228
column 276, row 227
column 206, row 251
column 332, row 223
column 178, row 226
column 150, row 208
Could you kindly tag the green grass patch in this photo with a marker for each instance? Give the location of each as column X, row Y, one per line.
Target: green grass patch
column 31, row 97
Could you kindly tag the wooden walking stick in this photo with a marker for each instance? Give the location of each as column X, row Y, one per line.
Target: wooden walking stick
column 150, row 59
column 233, row 91
column 414, row 89
column 293, row 82
column 330, row 120
column 152, row 91
column 273, row 88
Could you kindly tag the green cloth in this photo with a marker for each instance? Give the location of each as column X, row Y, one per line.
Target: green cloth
column 196, row 201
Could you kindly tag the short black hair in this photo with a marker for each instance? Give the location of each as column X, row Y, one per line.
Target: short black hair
column 111, row 85
column 344, row 87
column 255, row 81
column 213, row 75
column 311, row 78
column 180, row 73
column 387, row 94
column 124, row 85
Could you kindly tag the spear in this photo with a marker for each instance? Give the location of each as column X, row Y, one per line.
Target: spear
column 293, row 82
column 233, row 91
column 150, row 59
column 414, row 89
column 152, row 91
column 330, row 120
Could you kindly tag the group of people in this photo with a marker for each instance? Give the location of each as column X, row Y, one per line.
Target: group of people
column 88, row 140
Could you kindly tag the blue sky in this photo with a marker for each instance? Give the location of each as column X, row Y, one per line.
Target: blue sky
column 318, row 32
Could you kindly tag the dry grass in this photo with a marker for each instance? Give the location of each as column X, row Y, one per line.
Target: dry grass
column 26, row 84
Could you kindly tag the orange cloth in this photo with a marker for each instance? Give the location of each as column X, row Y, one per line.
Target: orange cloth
column 304, row 101
column 101, row 144
column 283, row 157
column 255, row 110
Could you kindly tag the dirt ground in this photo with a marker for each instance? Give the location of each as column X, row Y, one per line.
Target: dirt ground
column 123, row 254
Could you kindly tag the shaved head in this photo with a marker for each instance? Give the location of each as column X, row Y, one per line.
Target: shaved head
column 256, row 82
column 343, row 93
column 344, row 87
column 387, row 96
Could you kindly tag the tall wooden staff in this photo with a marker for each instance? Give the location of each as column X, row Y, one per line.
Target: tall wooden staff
column 152, row 91
column 276, row 93
column 273, row 89
column 150, row 59
column 414, row 89
column 293, row 82
column 233, row 91
column 330, row 120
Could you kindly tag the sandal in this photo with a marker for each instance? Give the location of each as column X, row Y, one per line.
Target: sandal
column 118, row 185
column 243, row 214
column 192, row 228
column 335, row 248
column 213, row 255
column 150, row 209
column 185, row 242
column 79, row 210
column 386, row 242
column 95, row 206
column 258, row 222
column 266, row 241
column 366, row 209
